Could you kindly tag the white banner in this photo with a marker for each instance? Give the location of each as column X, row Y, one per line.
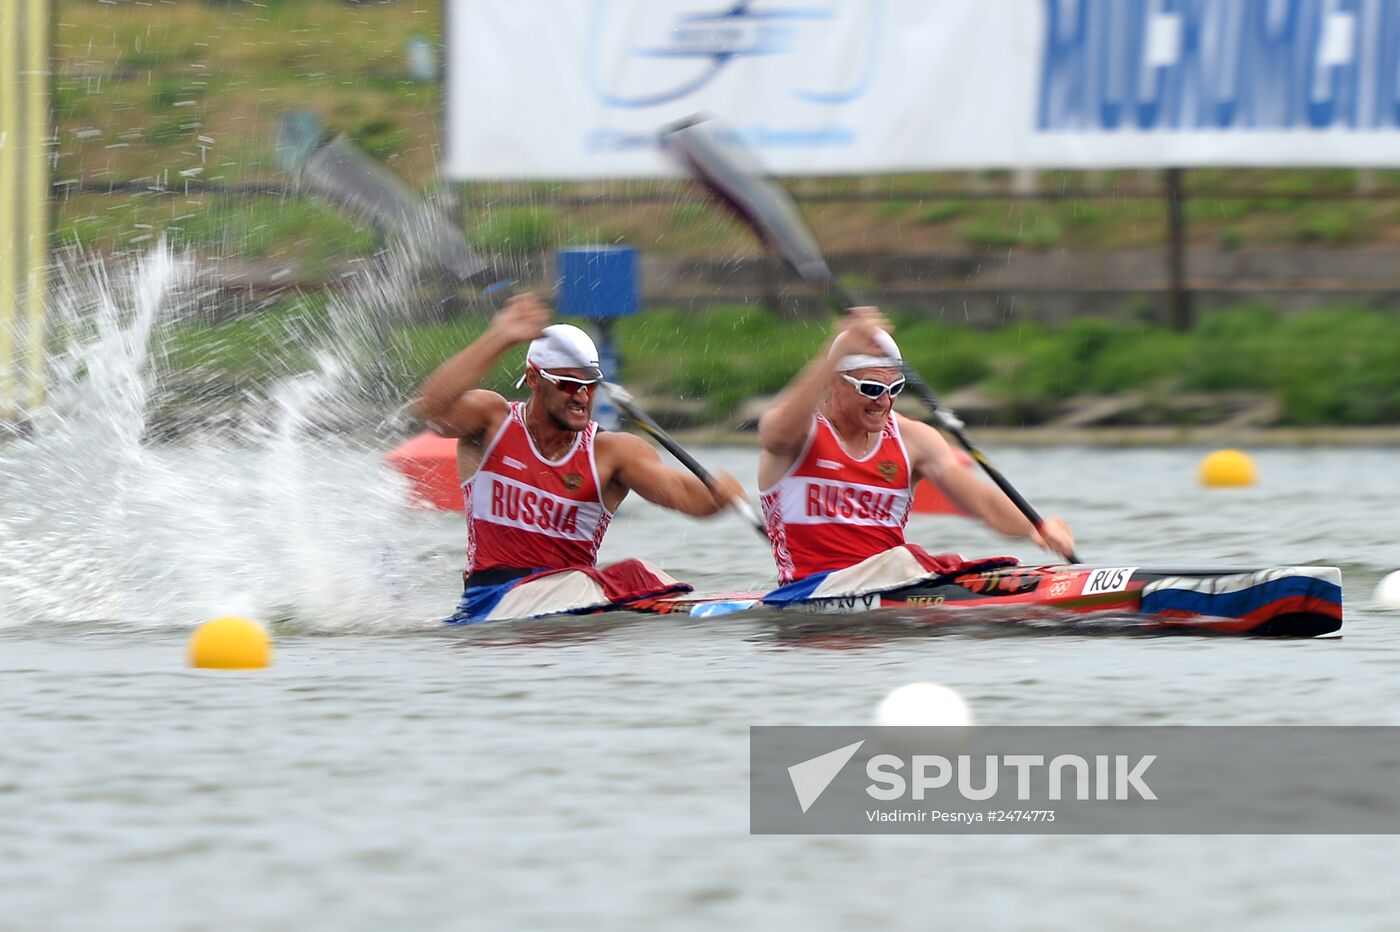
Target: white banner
column 579, row 88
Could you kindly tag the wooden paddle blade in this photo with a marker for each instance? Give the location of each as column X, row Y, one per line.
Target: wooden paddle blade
column 713, row 155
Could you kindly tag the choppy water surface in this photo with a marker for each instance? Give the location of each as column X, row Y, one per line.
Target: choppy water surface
column 595, row 769
column 387, row 772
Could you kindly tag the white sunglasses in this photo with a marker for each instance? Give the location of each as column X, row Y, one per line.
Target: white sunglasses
column 567, row 384
column 873, row 389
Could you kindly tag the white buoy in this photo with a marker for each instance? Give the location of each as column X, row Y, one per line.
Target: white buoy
column 923, row 718
column 920, row 705
column 1388, row 591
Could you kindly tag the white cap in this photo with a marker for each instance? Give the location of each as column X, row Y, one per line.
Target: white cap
column 563, row 346
column 845, row 363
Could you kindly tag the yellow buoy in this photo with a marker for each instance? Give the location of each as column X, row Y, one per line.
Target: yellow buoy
column 230, row 644
column 1227, row 468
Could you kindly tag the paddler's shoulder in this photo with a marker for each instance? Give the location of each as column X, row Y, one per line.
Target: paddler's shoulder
column 617, row 444
column 918, row 435
column 487, row 397
column 614, row 452
column 923, row 441
column 474, row 413
column 908, row 425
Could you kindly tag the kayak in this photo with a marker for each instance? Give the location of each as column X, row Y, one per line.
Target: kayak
column 1287, row 601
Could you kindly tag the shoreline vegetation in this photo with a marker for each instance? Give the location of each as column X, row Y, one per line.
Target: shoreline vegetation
column 1243, row 369
column 174, row 96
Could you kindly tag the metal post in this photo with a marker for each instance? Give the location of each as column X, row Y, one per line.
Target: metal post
column 1179, row 312
column 24, row 202
column 10, row 186
column 37, row 202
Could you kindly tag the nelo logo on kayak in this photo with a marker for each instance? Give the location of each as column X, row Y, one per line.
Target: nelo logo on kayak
column 533, row 508
column 847, row 502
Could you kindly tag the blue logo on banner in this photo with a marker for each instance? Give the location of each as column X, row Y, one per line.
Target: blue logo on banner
column 1145, row 65
column 697, row 47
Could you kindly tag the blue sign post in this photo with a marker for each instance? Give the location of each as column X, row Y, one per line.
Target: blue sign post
column 600, row 283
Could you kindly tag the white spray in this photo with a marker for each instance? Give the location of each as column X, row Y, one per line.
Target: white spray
column 100, row 524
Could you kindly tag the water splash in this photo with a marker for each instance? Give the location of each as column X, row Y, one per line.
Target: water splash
column 273, row 518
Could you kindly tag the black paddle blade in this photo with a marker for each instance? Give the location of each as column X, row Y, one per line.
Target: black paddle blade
column 348, row 178
column 713, row 155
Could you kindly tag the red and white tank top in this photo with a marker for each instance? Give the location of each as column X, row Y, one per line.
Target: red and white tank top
column 527, row 512
column 832, row 510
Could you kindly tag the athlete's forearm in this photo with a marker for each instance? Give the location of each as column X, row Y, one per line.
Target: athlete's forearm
column 460, row 374
column 671, row 489
column 1000, row 514
column 933, row 460
column 689, row 496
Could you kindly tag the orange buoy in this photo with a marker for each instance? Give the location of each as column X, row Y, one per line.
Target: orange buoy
column 930, row 500
column 430, row 464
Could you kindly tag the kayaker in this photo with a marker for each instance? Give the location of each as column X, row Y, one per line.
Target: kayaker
column 541, row 482
column 837, row 467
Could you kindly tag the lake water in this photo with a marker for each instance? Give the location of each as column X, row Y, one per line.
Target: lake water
column 389, row 772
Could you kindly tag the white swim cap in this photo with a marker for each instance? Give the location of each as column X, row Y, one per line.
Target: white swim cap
column 563, row 346
column 845, row 363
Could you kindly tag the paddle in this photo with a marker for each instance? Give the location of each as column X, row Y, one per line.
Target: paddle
column 628, row 406
column 348, row 178
column 714, row 156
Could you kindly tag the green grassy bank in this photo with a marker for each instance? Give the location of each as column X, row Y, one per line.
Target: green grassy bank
column 185, row 92
column 1335, row 366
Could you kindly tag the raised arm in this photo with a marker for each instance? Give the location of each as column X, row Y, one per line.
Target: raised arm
column 447, row 402
column 783, row 428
